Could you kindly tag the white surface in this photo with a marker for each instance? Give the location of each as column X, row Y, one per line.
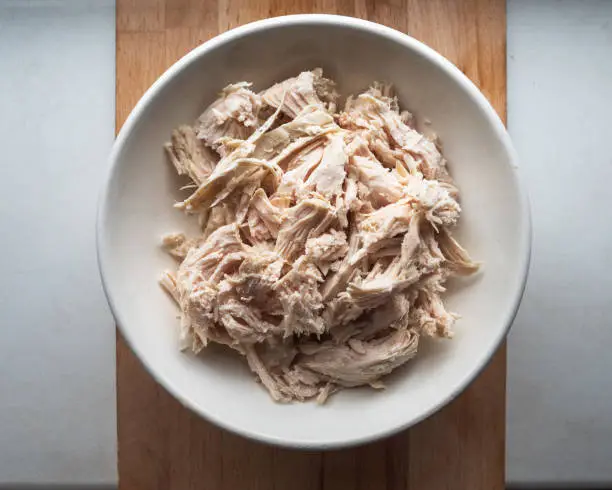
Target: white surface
column 57, row 402
column 559, row 412
column 137, row 211
column 559, row 110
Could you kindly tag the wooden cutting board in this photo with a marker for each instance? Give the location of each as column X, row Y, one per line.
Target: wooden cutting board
column 164, row 446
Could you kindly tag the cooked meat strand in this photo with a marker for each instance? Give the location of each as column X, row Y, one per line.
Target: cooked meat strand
column 233, row 115
column 343, row 365
column 189, row 156
column 326, row 238
column 309, row 218
column 308, row 88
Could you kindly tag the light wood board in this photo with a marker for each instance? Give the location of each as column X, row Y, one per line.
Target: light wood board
column 164, row 446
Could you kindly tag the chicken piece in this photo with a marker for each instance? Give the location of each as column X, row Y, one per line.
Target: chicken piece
column 244, row 323
column 177, row 245
column 243, row 166
column 229, row 264
column 384, row 223
column 197, row 279
column 233, row 115
column 342, row 365
column 293, row 381
column 278, row 353
column 271, row 383
column 309, row 218
column 217, row 217
column 309, row 88
column 197, row 303
column 376, row 289
column 375, row 231
column 236, row 171
column 302, row 385
column 264, row 218
column 456, row 256
column 402, row 175
column 243, row 199
column 411, row 243
column 387, row 247
column 394, row 314
column 271, row 215
column 427, row 155
column 341, row 310
column 301, row 301
column 430, row 258
column 435, row 199
column 202, row 261
column 393, row 158
column 381, row 187
column 256, row 279
column 347, row 270
column 327, row 178
column 326, row 249
column 430, row 317
column 386, row 280
column 433, row 282
column 377, row 118
column 285, row 142
column 303, row 163
column 168, row 282
column 351, row 200
column 232, row 176
column 256, row 232
column 189, row 156
column 282, row 382
column 282, row 202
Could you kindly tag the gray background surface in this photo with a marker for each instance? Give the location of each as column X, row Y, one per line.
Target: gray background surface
column 559, row 365
column 57, row 93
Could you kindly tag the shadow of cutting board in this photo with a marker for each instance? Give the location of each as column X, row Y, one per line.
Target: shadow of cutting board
column 162, row 445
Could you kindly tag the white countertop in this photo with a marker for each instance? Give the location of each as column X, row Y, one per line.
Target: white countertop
column 559, row 365
column 57, row 92
column 57, row 408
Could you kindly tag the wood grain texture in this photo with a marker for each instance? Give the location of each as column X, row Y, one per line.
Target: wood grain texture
column 163, row 445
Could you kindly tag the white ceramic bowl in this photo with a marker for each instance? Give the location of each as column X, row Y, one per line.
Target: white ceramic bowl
column 136, row 209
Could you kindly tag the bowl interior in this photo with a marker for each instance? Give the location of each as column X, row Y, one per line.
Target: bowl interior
column 137, row 209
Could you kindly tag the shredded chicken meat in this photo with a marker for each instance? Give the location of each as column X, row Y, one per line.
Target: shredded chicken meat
column 326, row 236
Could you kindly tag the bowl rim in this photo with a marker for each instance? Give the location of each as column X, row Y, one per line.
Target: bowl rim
column 333, row 21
